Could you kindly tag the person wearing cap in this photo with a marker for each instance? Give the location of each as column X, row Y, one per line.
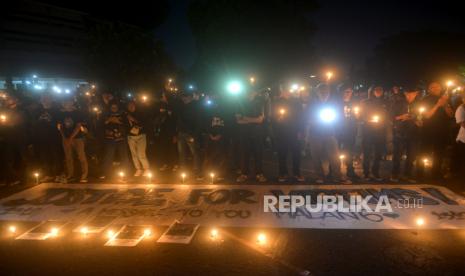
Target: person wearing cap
column 374, row 118
column 406, row 114
column 348, row 128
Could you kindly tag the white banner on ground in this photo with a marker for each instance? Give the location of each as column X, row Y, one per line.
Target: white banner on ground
column 232, row 205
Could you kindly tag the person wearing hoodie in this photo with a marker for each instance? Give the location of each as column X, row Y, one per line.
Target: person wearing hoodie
column 374, row 119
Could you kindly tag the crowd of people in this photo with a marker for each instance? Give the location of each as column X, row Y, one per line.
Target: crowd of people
column 421, row 131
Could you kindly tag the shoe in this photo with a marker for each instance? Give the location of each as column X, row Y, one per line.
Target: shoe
column 300, row 178
column 411, row 181
column 282, row 178
column 260, row 178
column 164, row 167
column 146, row 173
column 175, row 168
column 242, row 178
column 378, row 178
column 319, row 181
column 138, row 173
column 83, row 180
column 46, row 179
column 102, row 177
column 394, row 179
column 199, row 178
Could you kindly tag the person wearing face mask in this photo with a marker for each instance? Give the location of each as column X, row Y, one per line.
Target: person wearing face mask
column 325, row 117
column 406, row 114
column 436, row 117
column 374, row 119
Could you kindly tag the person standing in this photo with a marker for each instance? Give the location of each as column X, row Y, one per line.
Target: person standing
column 437, row 118
column 188, row 137
column 47, row 139
column 115, row 132
column 70, row 126
column 348, row 130
column 324, row 119
column 458, row 157
column 288, row 127
column 374, row 119
column 405, row 114
column 137, row 140
column 250, row 117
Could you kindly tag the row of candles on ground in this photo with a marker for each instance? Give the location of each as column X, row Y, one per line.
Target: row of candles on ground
column 214, row 234
column 122, row 174
column 149, row 176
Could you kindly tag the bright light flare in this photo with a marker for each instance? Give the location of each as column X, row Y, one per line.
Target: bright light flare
column 327, row 115
column 449, row 83
column 329, row 75
column 342, row 156
column 294, row 87
column 3, row 118
column 252, row 80
column 121, row 174
column 110, row 234
column 282, row 111
column 420, row 221
column 356, row 110
column 147, row 232
column 214, row 233
column 375, row 119
column 54, row 232
column 261, row 239
column 12, row 229
column 234, row 87
column 84, row 230
column 422, row 109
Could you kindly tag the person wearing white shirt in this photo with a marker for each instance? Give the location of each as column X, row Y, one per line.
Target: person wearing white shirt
column 458, row 158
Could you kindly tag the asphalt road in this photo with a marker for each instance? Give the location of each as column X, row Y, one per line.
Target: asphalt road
column 235, row 252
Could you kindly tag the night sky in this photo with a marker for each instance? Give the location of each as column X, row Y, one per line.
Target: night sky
column 347, row 31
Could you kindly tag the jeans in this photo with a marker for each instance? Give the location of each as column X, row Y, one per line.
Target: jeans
column 188, row 142
column 138, row 145
column 78, row 146
column 322, row 147
column 112, row 148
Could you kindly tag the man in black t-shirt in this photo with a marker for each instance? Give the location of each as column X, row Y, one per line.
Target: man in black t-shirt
column 71, row 126
column 216, row 150
column 250, row 118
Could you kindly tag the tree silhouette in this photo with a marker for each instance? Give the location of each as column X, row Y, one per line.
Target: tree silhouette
column 412, row 57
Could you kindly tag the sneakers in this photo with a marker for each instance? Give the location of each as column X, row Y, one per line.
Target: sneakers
column 199, row 178
column 319, row 181
column 175, row 168
column 164, row 167
column 282, row 178
column 394, row 179
column 242, row 178
column 260, row 178
column 83, row 180
column 138, row 173
column 300, row 178
column 102, row 177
